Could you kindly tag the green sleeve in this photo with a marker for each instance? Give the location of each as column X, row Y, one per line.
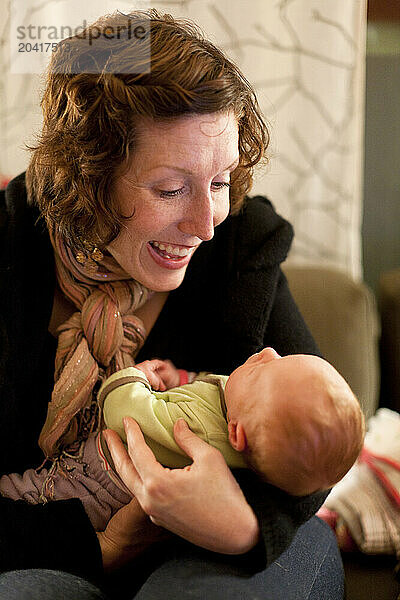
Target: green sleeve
column 128, row 393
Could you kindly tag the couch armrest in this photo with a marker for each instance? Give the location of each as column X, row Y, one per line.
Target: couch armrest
column 342, row 316
column 389, row 306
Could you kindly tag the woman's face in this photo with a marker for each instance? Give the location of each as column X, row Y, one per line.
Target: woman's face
column 177, row 191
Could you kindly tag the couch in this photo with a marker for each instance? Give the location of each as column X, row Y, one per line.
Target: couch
column 362, row 342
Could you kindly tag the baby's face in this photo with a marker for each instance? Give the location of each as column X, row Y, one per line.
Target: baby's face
column 246, row 382
column 279, row 381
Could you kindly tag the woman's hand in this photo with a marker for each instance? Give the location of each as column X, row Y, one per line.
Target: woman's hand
column 128, row 533
column 202, row 502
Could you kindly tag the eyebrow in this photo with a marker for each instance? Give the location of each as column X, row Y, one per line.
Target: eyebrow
column 188, row 171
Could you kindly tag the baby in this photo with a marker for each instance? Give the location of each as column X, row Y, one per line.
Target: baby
column 293, row 419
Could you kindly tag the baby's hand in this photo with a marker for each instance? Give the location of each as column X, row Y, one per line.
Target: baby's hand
column 162, row 374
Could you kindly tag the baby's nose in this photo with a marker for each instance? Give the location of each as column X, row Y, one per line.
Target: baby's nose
column 269, row 354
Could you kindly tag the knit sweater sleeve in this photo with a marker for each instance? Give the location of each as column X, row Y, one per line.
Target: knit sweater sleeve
column 279, row 516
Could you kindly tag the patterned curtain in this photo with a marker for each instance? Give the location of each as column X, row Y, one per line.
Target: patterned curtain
column 306, row 59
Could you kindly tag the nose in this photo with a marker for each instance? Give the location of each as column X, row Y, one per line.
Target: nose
column 199, row 219
column 204, row 214
column 269, row 354
column 265, row 355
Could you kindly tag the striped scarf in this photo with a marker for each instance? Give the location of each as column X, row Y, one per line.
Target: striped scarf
column 101, row 337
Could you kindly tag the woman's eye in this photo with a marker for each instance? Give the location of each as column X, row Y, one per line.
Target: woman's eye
column 171, row 193
column 219, row 185
column 216, row 185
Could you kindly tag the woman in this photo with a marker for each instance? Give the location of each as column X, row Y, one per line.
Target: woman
column 141, row 181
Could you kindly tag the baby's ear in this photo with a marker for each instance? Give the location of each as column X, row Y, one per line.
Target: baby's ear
column 237, row 436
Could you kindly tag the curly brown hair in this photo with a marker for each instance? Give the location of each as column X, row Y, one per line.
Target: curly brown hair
column 89, row 117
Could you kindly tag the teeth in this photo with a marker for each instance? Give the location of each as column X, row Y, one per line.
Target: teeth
column 172, row 250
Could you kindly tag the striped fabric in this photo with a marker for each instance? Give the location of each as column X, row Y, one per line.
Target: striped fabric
column 101, row 337
column 366, row 502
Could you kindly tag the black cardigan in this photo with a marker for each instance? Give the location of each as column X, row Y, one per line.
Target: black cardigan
column 233, row 301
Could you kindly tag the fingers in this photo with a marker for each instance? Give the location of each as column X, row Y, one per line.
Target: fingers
column 156, row 381
column 123, row 464
column 141, row 455
column 139, row 462
column 162, row 374
column 151, row 369
column 138, row 468
column 154, row 363
column 169, row 374
column 189, row 441
column 115, row 445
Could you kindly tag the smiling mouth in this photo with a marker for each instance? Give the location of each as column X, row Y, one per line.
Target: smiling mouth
column 170, row 251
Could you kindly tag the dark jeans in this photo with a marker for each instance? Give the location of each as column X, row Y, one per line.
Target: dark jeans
column 311, row 569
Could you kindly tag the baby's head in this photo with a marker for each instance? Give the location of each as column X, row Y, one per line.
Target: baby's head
column 295, row 419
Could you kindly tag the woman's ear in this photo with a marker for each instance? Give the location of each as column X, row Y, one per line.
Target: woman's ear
column 237, row 436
